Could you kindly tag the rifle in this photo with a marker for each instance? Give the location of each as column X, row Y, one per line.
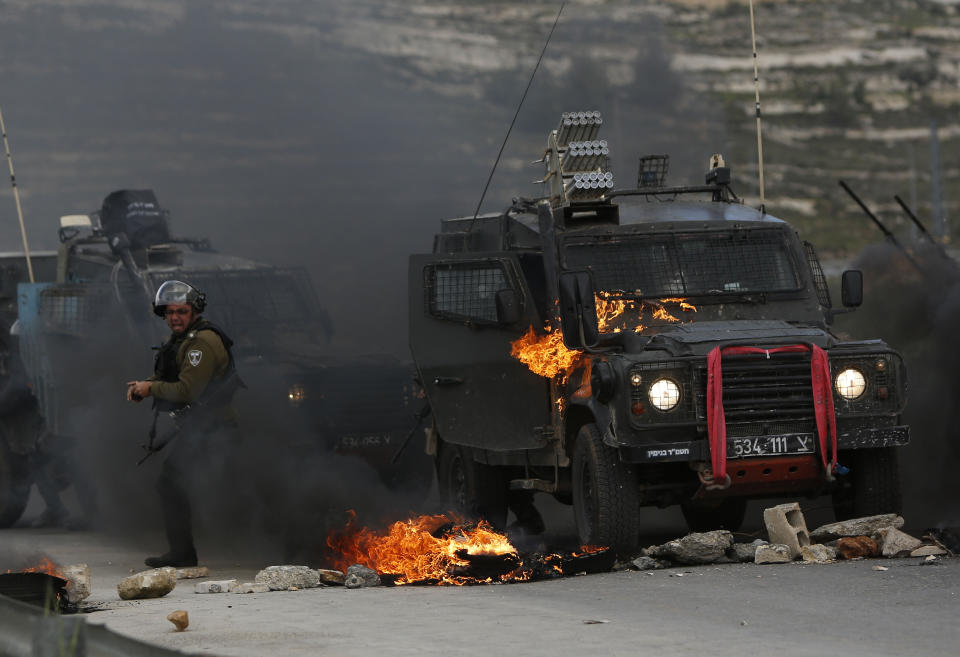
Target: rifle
column 154, row 445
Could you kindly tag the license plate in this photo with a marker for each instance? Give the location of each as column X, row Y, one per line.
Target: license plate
column 796, row 443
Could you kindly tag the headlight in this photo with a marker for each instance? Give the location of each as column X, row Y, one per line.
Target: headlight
column 296, row 394
column 664, row 394
column 850, row 384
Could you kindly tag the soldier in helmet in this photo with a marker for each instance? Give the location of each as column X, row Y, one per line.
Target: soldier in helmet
column 195, row 377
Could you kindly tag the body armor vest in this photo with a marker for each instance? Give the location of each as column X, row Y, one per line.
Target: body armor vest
column 219, row 391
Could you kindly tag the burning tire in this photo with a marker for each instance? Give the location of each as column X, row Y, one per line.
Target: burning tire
column 872, row 486
column 470, row 488
column 605, row 497
column 14, row 486
column 722, row 514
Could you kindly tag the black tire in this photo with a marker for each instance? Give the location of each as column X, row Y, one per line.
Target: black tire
column 721, row 514
column 472, row 489
column 871, row 487
column 14, row 486
column 606, row 500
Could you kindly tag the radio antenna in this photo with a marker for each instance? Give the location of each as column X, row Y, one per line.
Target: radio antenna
column 516, row 114
column 756, row 91
column 16, row 198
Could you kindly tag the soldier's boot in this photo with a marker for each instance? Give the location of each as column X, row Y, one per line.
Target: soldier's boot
column 179, row 525
column 528, row 519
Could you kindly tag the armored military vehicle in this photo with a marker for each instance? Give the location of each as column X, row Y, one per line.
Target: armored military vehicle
column 86, row 327
column 659, row 345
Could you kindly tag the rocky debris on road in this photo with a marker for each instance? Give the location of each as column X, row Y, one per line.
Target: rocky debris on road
column 773, row 553
column 216, row 586
column 285, row 578
column 78, row 582
column 857, row 547
column 179, row 619
column 250, row 587
column 895, row 543
column 648, row 563
column 818, row 553
column 359, row 576
column 331, row 577
column 154, row 583
column 928, row 551
column 867, row 526
column 696, row 548
column 196, row 572
column 946, row 537
column 744, row 552
column 786, row 526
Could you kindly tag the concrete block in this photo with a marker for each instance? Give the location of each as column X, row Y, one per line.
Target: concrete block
column 786, row 526
column 250, row 587
column 773, row 553
column 215, row 586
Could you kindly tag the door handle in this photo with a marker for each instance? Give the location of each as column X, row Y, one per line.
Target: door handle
column 447, row 380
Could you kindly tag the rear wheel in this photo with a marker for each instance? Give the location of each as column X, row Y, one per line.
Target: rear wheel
column 720, row 514
column 605, row 495
column 871, row 487
column 472, row 489
column 14, row 486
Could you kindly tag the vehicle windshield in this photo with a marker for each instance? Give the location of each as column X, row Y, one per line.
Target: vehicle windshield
column 687, row 264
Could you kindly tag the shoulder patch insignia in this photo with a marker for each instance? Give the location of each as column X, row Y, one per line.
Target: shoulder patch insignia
column 194, row 356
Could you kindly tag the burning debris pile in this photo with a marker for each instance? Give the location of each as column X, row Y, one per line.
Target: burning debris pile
column 438, row 549
column 46, row 582
column 546, row 355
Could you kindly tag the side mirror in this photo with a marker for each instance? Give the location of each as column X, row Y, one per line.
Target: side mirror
column 851, row 288
column 508, row 306
column 578, row 310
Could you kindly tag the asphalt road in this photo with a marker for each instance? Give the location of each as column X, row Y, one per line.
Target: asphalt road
column 845, row 608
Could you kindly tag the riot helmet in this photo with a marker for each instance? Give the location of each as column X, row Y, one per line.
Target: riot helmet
column 180, row 293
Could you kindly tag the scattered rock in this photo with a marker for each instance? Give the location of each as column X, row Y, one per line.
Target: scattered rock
column 249, row 587
column 930, row 561
column 78, row 582
column 221, row 586
column 696, row 548
column 360, row 576
column 818, row 553
column 881, row 568
column 179, row 619
column 853, row 547
column 895, row 543
column 281, row 578
column 332, row 577
column 647, row 563
column 787, row 526
column 857, row 527
column 154, row 583
column 742, row 552
column 928, row 551
column 773, row 553
column 196, row 572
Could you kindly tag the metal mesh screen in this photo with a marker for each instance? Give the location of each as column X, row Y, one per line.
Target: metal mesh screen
column 465, row 291
column 819, row 280
column 688, row 264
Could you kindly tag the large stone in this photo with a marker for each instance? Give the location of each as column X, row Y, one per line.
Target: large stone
column 818, row 553
column 283, row 578
column 742, row 552
column 195, row 572
column 213, row 586
column 895, row 543
column 331, row 577
column 696, row 548
column 928, row 551
column 78, row 582
column 647, row 563
column 773, row 553
column 856, row 547
column 786, row 526
column 360, row 576
column 857, row 527
column 154, row 583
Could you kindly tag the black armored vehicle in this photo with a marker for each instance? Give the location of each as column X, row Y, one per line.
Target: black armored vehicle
column 85, row 326
column 648, row 346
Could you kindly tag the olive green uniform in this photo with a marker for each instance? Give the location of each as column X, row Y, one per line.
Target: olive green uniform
column 207, row 430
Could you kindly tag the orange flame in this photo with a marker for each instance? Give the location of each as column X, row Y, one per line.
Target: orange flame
column 410, row 550
column 45, row 565
column 545, row 355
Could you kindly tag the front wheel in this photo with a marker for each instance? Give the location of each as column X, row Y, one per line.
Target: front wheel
column 871, row 487
column 606, row 499
column 14, row 486
column 472, row 489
